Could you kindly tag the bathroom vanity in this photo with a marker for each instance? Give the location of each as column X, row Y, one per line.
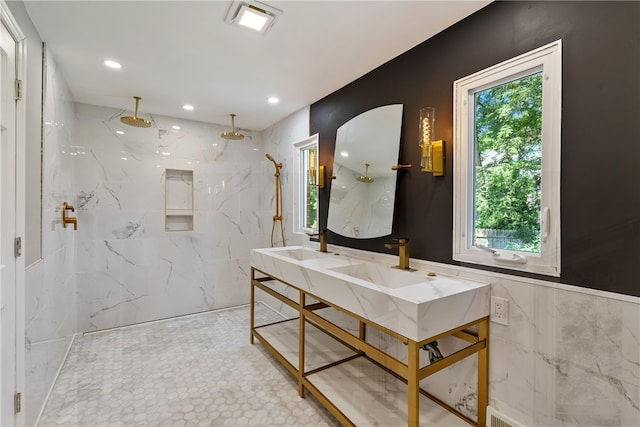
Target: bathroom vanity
column 321, row 347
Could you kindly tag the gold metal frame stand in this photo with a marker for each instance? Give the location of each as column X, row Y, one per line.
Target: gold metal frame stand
column 411, row 372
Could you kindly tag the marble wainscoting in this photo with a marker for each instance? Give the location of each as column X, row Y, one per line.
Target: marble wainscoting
column 50, row 283
column 570, row 356
column 130, row 269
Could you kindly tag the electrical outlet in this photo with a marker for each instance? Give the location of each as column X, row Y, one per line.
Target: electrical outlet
column 500, row 310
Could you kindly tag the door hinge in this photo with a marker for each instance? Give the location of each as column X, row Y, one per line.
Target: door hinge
column 17, row 403
column 18, row 247
column 18, row 90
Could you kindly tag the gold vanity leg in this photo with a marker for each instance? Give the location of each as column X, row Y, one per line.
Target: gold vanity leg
column 363, row 331
column 483, row 373
column 301, row 346
column 413, row 384
column 252, row 310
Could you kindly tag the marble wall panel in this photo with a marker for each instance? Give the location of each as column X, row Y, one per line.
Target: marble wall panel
column 130, row 269
column 50, row 283
column 279, row 141
column 569, row 356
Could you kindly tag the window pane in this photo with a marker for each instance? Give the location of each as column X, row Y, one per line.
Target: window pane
column 508, row 165
column 309, row 196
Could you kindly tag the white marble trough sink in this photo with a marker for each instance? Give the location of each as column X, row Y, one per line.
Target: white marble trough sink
column 412, row 304
column 301, row 254
column 382, row 275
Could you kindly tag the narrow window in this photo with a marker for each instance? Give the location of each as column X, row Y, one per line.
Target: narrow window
column 306, row 190
column 309, row 196
column 507, row 164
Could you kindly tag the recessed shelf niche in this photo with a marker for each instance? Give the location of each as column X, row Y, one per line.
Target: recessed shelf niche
column 178, row 200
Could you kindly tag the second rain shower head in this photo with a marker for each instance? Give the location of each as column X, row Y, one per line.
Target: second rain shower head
column 233, row 135
column 134, row 120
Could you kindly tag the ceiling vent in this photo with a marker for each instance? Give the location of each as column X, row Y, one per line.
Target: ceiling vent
column 252, row 16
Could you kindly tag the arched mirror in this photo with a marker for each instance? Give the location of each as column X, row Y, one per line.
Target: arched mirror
column 363, row 191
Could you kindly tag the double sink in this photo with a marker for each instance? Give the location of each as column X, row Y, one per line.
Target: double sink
column 380, row 275
column 415, row 304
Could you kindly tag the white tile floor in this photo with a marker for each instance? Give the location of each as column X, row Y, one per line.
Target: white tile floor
column 192, row 371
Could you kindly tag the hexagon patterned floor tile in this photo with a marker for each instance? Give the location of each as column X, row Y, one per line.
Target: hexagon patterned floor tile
column 192, row 371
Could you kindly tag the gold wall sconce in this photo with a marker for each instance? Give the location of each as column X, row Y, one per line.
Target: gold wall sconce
column 68, row 220
column 321, row 176
column 432, row 157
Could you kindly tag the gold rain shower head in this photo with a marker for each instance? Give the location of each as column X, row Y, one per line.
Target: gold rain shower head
column 233, row 134
column 365, row 178
column 134, row 120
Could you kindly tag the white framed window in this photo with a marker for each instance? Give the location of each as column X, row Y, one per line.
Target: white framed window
column 305, row 189
column 507, row 163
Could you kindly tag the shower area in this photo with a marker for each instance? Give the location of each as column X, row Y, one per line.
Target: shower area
column 132, row 269
column 121, row 267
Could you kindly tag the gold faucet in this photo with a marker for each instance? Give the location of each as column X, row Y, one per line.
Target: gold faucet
column 68, row 220
column 403, row 251
column 322, row 235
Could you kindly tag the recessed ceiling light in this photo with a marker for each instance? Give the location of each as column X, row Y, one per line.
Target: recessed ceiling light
column 344, row 154
column 166, row 153
column 273, row 100
column 112, row 64
column 188, row 107
column 253, row 18
column 119, row 132
column 175, row 127
column 252, row 15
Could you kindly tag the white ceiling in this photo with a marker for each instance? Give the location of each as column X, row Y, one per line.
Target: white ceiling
column 177, row 52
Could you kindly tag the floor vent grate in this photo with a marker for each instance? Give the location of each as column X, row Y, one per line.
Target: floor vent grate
column 498, row 419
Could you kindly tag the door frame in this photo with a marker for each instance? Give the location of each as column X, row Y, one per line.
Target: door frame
column 8, row 20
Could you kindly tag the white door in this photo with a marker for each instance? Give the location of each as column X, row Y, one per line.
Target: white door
column 8, row 318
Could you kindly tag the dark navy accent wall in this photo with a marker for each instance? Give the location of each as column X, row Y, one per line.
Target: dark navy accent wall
column 600, row 190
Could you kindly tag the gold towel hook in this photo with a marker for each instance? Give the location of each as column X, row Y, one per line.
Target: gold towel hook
column 68, row 220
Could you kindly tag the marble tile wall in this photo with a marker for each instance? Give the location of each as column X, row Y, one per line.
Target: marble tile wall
column 51, row 291
column 279, row 141
column 567, row 358
column 130, row 269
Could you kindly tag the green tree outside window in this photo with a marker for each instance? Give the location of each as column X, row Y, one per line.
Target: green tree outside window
column 508, row 165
